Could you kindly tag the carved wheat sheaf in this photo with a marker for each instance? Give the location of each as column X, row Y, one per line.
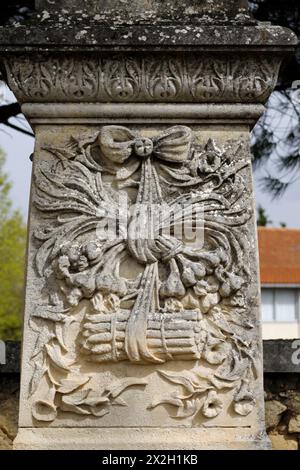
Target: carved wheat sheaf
column 184, row 302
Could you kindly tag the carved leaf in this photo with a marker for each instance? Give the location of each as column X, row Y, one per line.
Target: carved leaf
column 190, row 409
column 99, row 411
column 119, row 401
column 179, row 380
column 54, row 353
column 118, row 387
column 166, row 400
column 39, row 370
column 48, row 312
column 67, row 405
column 234, row 368
column 44, row 337
column 73, row 382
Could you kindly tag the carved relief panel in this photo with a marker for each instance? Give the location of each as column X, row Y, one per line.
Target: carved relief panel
column 140, row 243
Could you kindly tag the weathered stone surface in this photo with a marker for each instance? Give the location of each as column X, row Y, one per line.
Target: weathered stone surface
column 131, row 78
column 105, row 327
column 294, row 424
column 171, row 24
column 5, row 442
column 9, row 406
column 63, row 37
column 273, row 412
column 9, row 386
column 170, row 10
column 292, row 400
column 147, row 330
column 283, row 442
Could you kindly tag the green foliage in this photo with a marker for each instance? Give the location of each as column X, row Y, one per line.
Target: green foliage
column 12, row 252
column 262, row 218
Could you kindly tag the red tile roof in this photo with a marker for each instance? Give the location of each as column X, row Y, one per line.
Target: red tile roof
column 279, row 252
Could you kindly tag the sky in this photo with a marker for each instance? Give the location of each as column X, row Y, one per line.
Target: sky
column 18, row 148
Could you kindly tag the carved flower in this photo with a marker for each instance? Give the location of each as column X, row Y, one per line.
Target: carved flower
column 209, row 161
column 213, row 405
column 215, row 351
column 44, row 409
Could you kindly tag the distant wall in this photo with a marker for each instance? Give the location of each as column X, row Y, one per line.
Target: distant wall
column 282, row 393
column 284, row 330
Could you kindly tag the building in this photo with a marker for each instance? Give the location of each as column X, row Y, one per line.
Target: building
column 279, row 250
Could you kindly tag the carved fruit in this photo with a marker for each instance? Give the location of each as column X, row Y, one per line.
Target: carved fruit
column 188, row 277
column 172, row 287
column 231, row 285
column 73, row 296
column 209, row 301
column 108, row 283
column 85, row 282
column 191, row 271
column 202, row 288
column 92, row 251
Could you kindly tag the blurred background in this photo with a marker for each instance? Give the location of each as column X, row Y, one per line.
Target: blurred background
column 276, row 163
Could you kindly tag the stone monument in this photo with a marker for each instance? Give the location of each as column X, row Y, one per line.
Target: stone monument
column 137, row 336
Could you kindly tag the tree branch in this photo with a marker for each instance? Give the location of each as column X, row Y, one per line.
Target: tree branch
column 11, row 110
column 19, row 129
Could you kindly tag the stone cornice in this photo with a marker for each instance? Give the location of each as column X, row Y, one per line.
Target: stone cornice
column 98, row 36
column 185, row 113
column 147, row 78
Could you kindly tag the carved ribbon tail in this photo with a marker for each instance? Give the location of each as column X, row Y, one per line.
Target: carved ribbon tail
column 173, row 145
column 136, row 346
column 142, row 246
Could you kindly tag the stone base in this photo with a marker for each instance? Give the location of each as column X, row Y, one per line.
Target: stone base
column 139, row 439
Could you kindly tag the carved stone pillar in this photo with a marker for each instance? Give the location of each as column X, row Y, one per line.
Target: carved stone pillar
column 135, row 335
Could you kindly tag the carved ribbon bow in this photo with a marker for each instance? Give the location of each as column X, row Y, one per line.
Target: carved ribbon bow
column 118, row 143
column 173, row 145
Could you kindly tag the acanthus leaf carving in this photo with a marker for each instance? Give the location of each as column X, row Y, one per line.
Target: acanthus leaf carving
column 131, row 78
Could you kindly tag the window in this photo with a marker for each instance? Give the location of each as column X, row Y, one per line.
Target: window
column 279, row 305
